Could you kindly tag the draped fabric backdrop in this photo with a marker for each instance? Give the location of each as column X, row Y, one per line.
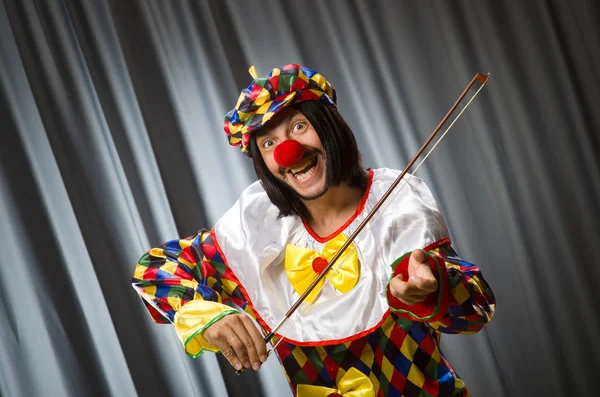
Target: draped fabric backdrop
column 111, row 142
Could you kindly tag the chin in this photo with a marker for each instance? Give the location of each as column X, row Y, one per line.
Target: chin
column 313, row 193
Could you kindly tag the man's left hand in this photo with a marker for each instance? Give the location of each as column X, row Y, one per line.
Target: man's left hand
column 414, row 287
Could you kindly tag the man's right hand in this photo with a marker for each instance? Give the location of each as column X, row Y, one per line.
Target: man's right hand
column 239, row 341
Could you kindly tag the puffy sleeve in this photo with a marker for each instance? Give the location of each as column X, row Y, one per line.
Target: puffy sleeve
column 463, row 303
column 186, row 282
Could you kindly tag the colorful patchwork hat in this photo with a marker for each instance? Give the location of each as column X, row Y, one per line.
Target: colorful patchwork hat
column 266, row 96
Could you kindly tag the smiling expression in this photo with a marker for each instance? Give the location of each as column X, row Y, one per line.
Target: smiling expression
column 308, row 177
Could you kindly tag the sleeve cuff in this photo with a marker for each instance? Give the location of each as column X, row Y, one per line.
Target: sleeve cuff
column 435, row 305
column 193, row 318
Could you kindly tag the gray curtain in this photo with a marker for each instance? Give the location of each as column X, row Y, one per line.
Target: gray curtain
column 111, row 143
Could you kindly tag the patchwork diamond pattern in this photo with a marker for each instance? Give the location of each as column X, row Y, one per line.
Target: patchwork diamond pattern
column 183, row 270
column 391, row 357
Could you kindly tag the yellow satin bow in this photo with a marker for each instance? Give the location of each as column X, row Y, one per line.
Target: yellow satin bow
column 303, row 265
column 353, row 384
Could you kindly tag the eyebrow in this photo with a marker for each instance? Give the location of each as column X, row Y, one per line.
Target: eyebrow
column 262, row 132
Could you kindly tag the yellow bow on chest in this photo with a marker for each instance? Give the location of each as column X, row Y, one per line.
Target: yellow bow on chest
column 303, row 265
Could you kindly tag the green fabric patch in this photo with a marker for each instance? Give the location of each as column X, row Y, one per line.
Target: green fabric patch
column 261, row 81
column 285, row 82
column 219, row 267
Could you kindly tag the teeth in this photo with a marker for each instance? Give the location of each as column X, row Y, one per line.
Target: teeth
column 301, row 166
column 305, row 175
column 297, row 171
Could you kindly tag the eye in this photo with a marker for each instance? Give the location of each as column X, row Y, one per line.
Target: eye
column 267, row 143
column 299, row 126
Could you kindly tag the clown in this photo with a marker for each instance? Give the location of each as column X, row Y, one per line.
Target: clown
column 373, row 329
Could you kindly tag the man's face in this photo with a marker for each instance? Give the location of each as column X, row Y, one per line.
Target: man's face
column 308, row 177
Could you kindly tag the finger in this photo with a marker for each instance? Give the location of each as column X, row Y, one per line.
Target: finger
column 227, row 351
column 216, row 335
column 418, row 296
column 427, row 285
column 398, row 287
column 423, row 270
column 408, row 302
column 238, row 345
column 258, row 339
column 401, row 289
column 418, row 255
column 414, row 298
column 258, row 342
column 249, row 350
column 409, row 291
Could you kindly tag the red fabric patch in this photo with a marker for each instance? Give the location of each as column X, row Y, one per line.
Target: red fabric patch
column 428, row 346
column 399, row 380
column 256, row 89
column 156, row 315
column 281, row 97
column 437, row 244
column 298, row 84
column 284, row 350
column 331, row 367
column 150, row 273
column 187, row 255
column 239, row 302
column 274, row 80
column 179, row 272
column 228, row 275
column 398, row 335
column 431, row 386
column 479, row 299
column 171, row 281
column 163, row 304
column 291, row 66
column 209, row 250
column 357, row 347
column 246, row 139
column 307, row 95
column 310, row 371
column 207, row 269
column 378, row 356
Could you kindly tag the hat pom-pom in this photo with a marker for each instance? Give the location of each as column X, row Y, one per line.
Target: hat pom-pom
column 288, row 153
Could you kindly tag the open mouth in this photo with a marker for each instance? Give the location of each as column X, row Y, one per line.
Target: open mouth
column 305, row 168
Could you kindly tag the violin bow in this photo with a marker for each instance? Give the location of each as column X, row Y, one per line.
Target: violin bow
column 479, row 77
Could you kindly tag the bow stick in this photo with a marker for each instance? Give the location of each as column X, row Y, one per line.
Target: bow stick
column 482, row 78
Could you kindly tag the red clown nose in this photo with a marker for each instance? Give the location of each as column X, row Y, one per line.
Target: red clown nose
column 288, row 153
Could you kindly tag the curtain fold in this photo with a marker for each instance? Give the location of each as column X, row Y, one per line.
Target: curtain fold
column 111, row 143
